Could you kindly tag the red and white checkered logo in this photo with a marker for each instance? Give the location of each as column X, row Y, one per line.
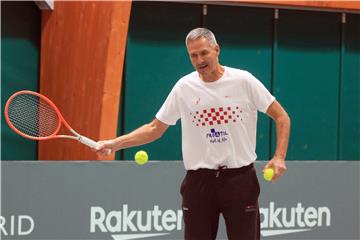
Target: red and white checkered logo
column 217, row 116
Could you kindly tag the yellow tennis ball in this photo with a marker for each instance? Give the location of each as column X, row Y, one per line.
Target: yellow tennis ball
column 141, row 157
column 268, row 174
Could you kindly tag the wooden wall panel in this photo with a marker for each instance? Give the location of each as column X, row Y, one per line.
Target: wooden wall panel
column 82, row 55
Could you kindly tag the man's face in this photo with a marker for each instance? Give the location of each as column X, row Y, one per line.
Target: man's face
column 203, row 56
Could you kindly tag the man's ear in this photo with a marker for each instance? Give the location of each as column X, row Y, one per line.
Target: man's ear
column 217, row 49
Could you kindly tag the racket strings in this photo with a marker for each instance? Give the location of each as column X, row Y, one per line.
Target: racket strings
column 33, row 116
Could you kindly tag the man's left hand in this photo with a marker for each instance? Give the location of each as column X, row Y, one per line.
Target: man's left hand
column 279, row 166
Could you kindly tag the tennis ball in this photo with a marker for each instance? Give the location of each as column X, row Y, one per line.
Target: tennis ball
column 268, row 174
column 141, row 157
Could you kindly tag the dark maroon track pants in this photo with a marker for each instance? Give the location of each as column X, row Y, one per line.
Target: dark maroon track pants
column 232, row 192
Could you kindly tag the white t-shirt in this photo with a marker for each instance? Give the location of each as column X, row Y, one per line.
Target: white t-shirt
column 218, row 119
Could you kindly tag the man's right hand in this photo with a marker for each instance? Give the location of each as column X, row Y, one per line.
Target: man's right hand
column 105, row 148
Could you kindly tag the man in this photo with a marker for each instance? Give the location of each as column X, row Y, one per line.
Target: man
column 218, row 109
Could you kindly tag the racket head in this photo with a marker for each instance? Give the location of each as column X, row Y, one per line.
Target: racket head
column 32, row 115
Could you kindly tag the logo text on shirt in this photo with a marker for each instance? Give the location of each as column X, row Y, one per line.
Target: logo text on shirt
column 217, row 136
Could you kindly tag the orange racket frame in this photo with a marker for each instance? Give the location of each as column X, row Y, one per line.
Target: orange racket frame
column 61, row 120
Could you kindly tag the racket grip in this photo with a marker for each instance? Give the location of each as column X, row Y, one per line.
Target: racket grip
column 88, row 142
column 91, row 143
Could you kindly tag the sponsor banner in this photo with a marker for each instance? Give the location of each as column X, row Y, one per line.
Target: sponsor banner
column 121, row 201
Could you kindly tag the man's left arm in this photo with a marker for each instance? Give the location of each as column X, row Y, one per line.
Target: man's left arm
column 282, row 122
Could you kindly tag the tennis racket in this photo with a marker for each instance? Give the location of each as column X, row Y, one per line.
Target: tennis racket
column 34, row 116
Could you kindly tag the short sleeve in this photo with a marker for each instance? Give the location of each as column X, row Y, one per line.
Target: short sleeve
column 260, row 96
column 169, row 112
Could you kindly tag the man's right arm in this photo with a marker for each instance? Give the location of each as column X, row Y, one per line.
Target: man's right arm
column 143, row 135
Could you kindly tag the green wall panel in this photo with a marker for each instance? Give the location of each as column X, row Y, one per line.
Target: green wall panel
column 349, row 143
column 156, row 58
column 20, row 42
column 245, row 39
column 307, row 59
column 306, row 81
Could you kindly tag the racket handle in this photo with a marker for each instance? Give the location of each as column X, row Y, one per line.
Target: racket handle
column 91, row 143
column 88, row 142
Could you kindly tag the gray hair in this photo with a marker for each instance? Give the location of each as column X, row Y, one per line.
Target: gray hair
column 198, row 33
